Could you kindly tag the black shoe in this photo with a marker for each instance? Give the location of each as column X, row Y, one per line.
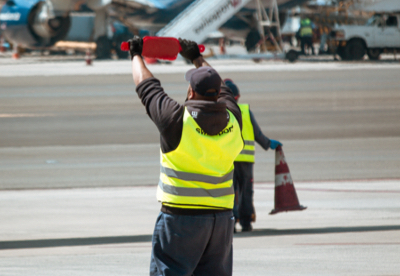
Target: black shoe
column 247, row 228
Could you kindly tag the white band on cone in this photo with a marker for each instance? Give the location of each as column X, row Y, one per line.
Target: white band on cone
column 280, row 158
column 283, row 179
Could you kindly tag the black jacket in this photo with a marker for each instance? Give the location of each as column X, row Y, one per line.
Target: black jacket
column 167, row 114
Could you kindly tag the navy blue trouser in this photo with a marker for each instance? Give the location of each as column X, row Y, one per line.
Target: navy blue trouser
column 307, row 41
column 243, row 184
column 199, row 245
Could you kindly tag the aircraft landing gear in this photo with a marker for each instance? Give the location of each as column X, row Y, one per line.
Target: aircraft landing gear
column 103, row 49
column 292, row 55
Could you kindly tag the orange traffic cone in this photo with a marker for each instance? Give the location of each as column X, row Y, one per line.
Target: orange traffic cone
column 285, row 194
column 88, row 57
column 222, row 46
column 2, row 48
column 15, row 54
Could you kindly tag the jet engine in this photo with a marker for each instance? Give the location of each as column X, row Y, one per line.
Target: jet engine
column 33, row 23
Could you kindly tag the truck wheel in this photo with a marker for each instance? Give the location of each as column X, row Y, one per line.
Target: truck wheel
column 103, row 49
column 340, row 52
column 354, row 50
column 374, row 54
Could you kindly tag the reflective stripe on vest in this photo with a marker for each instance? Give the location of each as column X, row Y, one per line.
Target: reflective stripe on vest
column 192, row 192
column 247, row 154
column 199, row 172
column 196, row 177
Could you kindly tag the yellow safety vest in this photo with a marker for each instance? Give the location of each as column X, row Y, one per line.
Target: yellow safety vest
column 306, row 31
column 247, row 154
column 198, row 173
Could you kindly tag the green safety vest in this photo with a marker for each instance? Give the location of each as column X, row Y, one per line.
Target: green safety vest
column 247, row 154
column 198, row 174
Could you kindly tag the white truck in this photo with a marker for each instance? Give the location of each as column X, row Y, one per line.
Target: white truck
column 380, row 34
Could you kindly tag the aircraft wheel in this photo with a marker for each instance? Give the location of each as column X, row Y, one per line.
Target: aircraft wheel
column 103, row 49
column 117, row 44
column 253, row 37
column 292, row 55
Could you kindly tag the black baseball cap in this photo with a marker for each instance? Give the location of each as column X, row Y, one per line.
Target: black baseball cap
column 232, row 86
column 204, row 81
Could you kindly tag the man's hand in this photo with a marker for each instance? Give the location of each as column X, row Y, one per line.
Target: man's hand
column 135, row 46
column 190, row 49
column 274, row 144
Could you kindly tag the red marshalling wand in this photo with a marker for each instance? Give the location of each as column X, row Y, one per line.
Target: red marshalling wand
column 165, row 48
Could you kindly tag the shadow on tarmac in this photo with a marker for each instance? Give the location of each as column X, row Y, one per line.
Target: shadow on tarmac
column 310, row 231
column 26, row 244
column 72, row 242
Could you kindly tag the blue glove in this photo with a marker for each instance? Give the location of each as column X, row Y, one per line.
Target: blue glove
column 274, row 144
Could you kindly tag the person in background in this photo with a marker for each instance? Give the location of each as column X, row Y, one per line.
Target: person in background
column 325, row 31
column 244, row 210
column 306, row 35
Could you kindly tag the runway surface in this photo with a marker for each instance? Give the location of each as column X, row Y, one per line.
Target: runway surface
column 91, row 130
column 64, row 125
column 348, row 229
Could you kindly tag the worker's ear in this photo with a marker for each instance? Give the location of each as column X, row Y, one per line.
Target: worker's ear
column 191, row 93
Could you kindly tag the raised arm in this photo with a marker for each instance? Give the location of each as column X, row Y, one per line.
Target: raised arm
column 162, row 110
column 190, row 51
column 200, row 61
column 139, row 70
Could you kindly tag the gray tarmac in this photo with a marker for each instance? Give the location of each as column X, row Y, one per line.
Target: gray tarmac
column 79, row 162
column 349, row 228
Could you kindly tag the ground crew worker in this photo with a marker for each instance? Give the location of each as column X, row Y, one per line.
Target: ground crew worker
column 324, row 30
column 243, row 176
column 306, row 35
column 199, row 143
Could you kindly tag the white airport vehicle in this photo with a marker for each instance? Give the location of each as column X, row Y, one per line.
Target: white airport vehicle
column 380, row 34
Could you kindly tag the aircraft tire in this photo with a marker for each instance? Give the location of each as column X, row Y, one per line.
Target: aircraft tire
column 252, row 38
column 103, row 49
column 117, row 45
column 292, row 55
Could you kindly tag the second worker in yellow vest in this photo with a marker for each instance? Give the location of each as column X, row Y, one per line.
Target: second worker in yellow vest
column 243, row 175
